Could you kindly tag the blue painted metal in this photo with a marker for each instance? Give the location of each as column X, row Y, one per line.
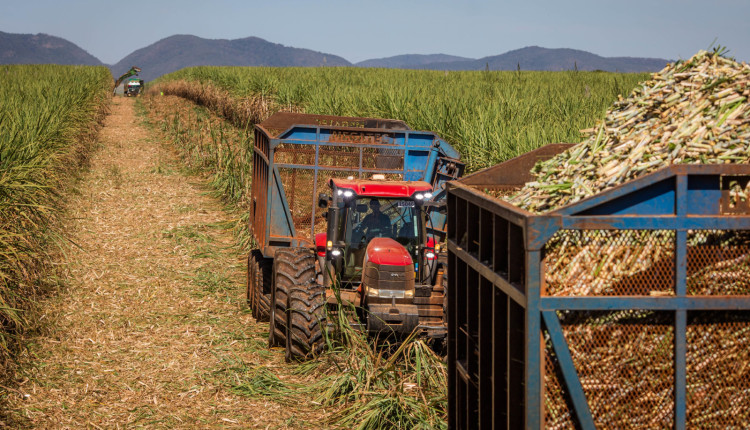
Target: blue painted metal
column 534, row 359
column 680, row 369
column 654, row 303
column 572, row 383
column 283, row 226
column 676, row 198
column 421, row 155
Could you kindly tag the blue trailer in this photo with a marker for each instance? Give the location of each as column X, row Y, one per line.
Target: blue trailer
column 314, row 173
column 296, row 154
column 660, row 340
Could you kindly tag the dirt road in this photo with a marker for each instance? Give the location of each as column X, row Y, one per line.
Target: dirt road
column 149, row 331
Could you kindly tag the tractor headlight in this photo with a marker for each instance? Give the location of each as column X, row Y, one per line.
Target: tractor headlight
column 346, row 193
column 387, row 294
column 336, row 252
column 422, row 196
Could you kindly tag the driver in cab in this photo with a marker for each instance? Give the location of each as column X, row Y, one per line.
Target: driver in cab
column 376, row 221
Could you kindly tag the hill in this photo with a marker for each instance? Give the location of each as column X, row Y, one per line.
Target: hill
column 410, row 61
column 180, row 51
column 538, row 58
column 42, row 49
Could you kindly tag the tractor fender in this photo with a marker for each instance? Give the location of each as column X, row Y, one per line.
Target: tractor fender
column 320, row 244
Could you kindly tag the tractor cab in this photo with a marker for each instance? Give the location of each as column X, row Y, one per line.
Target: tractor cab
column 376, row 220
column 133, row 87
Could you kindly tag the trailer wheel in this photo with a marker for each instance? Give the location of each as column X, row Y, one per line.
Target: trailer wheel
column 249, row 291
column 283, row 275
column 307, row 309
column 259, row 285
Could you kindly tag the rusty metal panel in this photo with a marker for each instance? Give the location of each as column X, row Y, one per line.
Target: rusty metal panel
column 260, row 187
column 282, row 121
column 513, row 173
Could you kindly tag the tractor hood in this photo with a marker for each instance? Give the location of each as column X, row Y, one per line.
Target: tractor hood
column 386, row 251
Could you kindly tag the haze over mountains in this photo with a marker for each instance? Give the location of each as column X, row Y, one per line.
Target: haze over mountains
column 180, row 51
column 537, row 58
column 411, row 61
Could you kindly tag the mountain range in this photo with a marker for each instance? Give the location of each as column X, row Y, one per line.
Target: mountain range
column 42, row 49
column 411, row 61
column 180, row 51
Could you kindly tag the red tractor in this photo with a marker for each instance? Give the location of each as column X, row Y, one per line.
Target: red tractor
column 372, row 242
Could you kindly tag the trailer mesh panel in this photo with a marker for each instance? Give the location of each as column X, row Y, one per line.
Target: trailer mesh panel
column 718, row 262
column 610, row 262
column 558, row 415
column 299, row 184
column 718, row 370
column 302, row 185
column 624, row 361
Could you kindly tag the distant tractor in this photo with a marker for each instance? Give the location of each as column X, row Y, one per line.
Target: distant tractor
column 132, row 86
column 347, row 209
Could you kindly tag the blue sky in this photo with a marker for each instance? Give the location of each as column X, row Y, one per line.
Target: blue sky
column 358, row 30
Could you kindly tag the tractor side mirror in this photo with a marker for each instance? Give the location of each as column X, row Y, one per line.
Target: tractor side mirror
column 362, row 208
column 323, row 200
column 439, row 206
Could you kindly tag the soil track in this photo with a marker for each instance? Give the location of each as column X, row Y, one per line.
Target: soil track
column 150, row 327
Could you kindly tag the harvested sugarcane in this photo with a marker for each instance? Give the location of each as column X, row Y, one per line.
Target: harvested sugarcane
column 692, row 112
column 696, row 112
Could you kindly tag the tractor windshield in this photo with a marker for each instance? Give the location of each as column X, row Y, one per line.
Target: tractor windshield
column 366, row 218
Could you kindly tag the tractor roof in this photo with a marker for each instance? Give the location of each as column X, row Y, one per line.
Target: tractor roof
column 376, row 188
column 282, row 121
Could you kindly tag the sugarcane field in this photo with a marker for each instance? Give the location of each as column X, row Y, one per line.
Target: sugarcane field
column 234, row 233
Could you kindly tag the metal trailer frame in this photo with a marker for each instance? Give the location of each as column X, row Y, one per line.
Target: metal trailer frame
column 499, row 316
column 424, row 157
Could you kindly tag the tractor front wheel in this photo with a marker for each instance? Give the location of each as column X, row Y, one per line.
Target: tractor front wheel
column 307, row 309
column 283, row 276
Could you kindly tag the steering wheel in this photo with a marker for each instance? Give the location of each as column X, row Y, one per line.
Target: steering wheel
column 358, row 230
column 377, row 231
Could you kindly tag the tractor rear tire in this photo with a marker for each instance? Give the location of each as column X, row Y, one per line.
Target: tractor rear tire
column 307, row 309
column 259, row 285
column 283, row 274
